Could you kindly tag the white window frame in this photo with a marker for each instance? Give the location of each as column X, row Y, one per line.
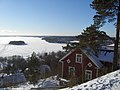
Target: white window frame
column 80, row 61
column 70, row 71
column 88, row 77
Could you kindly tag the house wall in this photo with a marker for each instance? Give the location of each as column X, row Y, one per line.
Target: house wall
column 79, row 67
column 106, row 69
column 93, row 68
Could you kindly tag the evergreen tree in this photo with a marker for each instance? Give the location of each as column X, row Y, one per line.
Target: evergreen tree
column 70, row 46
column 15, row 64
column 33, row 69
column 92, row 38
column 108, row 11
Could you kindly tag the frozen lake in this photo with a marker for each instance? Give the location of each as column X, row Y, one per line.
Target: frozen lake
column 34, row 44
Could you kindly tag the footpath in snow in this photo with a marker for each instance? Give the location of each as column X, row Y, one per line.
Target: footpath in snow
column 109, row 81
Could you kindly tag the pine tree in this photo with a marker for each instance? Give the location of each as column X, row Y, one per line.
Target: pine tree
column 92, row 38
column 33, row 69
column 108, row 11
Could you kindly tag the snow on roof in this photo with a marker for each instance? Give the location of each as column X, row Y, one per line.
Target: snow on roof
column 94, row 60
column 109, row 81
column 104, row 55
column 75, row 41
column 112, row 45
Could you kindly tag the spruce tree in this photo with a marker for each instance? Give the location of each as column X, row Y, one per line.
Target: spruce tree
column 108, row 11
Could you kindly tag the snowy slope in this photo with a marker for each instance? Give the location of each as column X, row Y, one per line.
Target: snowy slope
column 43, row 83
column 109, row 81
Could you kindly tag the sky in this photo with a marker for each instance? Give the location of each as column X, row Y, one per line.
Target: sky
column 47, row 17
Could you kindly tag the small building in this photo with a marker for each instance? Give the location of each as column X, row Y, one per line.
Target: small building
column 85, row 65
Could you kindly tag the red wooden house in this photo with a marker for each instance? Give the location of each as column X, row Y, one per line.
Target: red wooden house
column 85, row 65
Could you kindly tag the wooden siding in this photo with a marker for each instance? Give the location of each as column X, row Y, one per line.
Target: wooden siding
column 79, row 67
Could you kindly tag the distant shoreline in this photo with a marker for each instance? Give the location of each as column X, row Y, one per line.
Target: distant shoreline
column 50, row 39
column 35, row 36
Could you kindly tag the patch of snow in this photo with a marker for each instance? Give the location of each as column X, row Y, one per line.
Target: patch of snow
column 75, row 41
column 49, row 83
column 64, row 80
column 12, row 79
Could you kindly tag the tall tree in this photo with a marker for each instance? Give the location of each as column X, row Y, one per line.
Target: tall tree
column 92, row 38
column 33, row 74
column 108, row 11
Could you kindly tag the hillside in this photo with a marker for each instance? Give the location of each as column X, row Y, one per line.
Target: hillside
column 109, row 81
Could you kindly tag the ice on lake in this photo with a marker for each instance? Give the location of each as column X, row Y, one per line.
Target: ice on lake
column 34, row 44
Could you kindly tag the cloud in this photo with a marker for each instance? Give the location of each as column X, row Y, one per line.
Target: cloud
column 8, row 32
column 16, row 32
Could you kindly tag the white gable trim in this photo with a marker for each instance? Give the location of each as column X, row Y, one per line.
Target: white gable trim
column 99, row 66
column 62, row 68
column 67, row 55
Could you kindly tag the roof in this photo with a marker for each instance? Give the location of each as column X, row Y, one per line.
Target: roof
column 112, row 45
column 104, row 55
column 66, row 55
column 92, row 58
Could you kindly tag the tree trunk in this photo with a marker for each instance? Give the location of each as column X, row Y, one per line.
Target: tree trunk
column 116, row 55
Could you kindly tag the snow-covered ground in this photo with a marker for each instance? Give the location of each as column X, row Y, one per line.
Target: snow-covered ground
column 109, row 81
column 33, row 44
column 43, row 83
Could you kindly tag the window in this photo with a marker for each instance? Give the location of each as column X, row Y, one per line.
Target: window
column 78, row 58
column 88, row 75
column 71, row 70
